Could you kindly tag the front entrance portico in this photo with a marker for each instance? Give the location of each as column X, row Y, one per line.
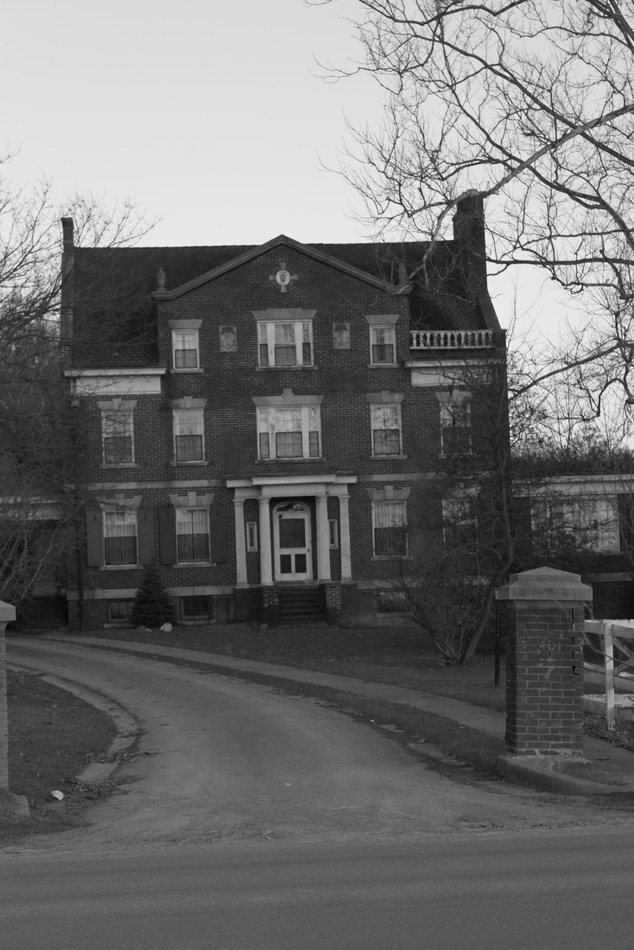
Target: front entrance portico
column 285, row 532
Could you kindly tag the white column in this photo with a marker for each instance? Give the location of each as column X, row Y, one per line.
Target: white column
column 266, row 566
column 344, row 537
column 323, row 539
column 241, row 547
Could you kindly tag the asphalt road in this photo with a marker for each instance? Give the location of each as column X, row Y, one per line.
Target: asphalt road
column 541, row 892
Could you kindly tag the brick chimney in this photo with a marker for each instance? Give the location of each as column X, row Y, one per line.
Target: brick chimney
column 68, row 260
column 468, row 232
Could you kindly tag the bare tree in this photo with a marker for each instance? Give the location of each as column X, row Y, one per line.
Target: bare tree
column 36, row 506
column 529, row 104
column 495, row 505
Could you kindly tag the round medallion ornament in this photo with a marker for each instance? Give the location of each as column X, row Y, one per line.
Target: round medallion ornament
column 283, row 278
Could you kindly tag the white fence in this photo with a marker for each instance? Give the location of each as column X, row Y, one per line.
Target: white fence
column 613, row 633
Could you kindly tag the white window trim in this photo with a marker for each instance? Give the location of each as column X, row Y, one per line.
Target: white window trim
column 376, row 502
column 267, row 330
column 278, row 315
column 252, row 536
column 453, row 404
column 185, row 326
column 190, row 509
column 333, row 533
column 129, row 514
column 267, row 422
column 392, row 332
column 124, row 409
column 604, row 535
column 188, row 404
column 373, row 412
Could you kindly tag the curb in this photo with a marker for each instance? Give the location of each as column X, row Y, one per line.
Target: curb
column 128, row 728
column 541, row 772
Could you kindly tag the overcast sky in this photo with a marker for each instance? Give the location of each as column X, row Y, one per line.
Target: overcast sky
column 213, row 116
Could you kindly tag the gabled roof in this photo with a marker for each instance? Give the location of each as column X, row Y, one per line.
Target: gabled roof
column 280, row 241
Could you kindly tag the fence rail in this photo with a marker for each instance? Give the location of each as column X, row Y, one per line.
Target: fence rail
column 613, row 633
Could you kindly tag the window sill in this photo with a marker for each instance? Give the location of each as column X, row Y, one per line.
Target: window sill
column 179, row 372
column 293, row 461
column 381, row 458
column 282, row 369
column 119, row 567
column 195, row 564
column 120, row 465
column 391, row 557
column 382, row 365
column 176, row 464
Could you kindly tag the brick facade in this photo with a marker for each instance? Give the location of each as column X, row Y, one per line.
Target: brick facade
column 285, row 419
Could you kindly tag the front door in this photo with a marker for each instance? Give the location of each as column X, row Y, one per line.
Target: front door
column 292, row 542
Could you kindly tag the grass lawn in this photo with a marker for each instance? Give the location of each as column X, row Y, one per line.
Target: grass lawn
column 53, row 736
column 398, row 655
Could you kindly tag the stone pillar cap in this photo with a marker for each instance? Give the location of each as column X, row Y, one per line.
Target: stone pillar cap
column 7, row 612
column 545, row 583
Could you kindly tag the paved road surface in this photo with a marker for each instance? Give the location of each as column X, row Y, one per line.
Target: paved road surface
column 221, row 759
column 563, row 891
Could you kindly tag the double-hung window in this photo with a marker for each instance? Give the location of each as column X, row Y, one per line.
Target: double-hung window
column 192, row 534
column 455, row 423
column 189, row 440
column 185, row 349
column 287, row 433
column 120, row 537
column 117, row 431
column 382, row 345
column 288, row 343
column 386, row 429
column 390, row 528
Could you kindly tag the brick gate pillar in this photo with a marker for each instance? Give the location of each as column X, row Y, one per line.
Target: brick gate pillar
column 10, row 805
column 544, row 663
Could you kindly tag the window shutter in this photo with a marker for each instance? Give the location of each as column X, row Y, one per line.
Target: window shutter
column 218, row 533
column 145, row 535
column 94, row 538
column 167, row 534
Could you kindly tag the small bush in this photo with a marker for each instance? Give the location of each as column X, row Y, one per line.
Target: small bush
column 152, row 605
